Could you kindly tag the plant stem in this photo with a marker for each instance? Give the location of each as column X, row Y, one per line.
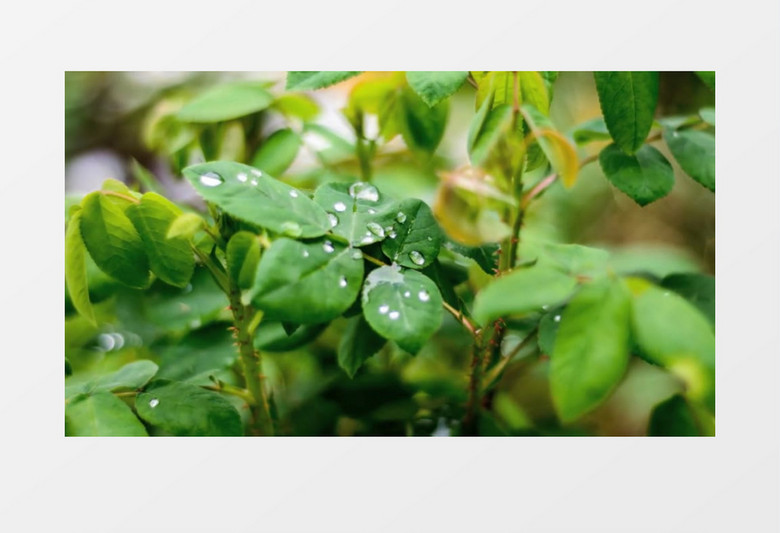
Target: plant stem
column 470, row 420
column 251, row 364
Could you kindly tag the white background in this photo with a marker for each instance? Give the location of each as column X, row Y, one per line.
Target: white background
column 728, row 483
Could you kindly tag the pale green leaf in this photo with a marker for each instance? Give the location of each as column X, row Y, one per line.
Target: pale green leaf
column 277, row 152
column 433, row 87
column 311, row 80
column 101, row 415
column 76, row 269
column 227, row 102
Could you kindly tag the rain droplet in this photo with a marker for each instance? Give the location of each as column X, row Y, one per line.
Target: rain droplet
column 366, row 240
column 423, row 296
column 407, row 294
column 342, row 282
column 306, row 253
column 328, row 247
column 340, row 207
column 372, row 211
column 376, row 229
column 400, row 217
column 417, row 258
column 394, row 315
column 293, row 229
column 294, row 194
column 195, row 324
column 388, row 229
column 364, row 191
column 242, row 177
column 391, row 234
column 154, row 402
column 384, row 308
column 334, row 220
column 357, row 254
column 253, row 182
column 256, row 172
column 430, row 238
column 106, row 342
column 557, row 318
column 210, row 179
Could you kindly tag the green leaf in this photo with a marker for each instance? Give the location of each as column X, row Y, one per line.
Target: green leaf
column 277, row 152
column 433, row 87
column 76, row 269
column 574, row 259
column 255, row 197
column 171, row 260
column 486, row 130
column 296, row 105
column 628, row 101
column 548, row 330
column 416, row 238
column 422, row 127
column 272, row 337
column 197, row 355
column 403, row 306
column 556, row 148
column 358, row 212
column 591, row 353
column 708, row 77
column 185, row 225
column 311, row 80
column 522, row 291
column 329, row 146
column 673, row 418
column 695, row 153
column 131, row 376
column 144, row 176
column 594, row 129
column 485, row 255
column 186, row 410
column 113, row 242
column 307, row 283
column 242, row 256
column 707, row 114
column 698, row 289
column 226, row 102
column 358, row 343
column 645, row 176
column 101, row 415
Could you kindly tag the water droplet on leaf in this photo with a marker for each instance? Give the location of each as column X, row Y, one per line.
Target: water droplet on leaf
column 328, row 247
column 557, row 318
column 306, row 253
column 372, row 211
column 254, row 182
column 417, row 258
column 401, row 217
column 294, row 194
column 407, row 294
column 384, row 308
column 210, row 179
column 334, row 220
column 357, row 254
column 376, row 229
column 242, row 177
column 342, row 282
column 293, row 229
column 340, row 207
column 394, row 315
column 154, row 402
column 423, row 296
column 364, row 191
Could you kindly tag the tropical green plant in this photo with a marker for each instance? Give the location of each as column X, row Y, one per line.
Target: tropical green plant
column 281, row 265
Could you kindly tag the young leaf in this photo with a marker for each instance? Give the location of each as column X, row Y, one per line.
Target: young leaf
column 695, row 152
column 645, row 176
column 101, row 415
column 415, row 237
column 242, row 255
column 522, row 291
column 277, row 152
column 307, row 283
column 590, row 354
column 296, row 105
column 131, row 376
column 556, row 148
column 698, row 289
column 76, row 269
column 113, row 242
column 433, row 87
column 172, row 259
column 628, row 101
column 311, row 80
column 185, row 225
column 251, row 195
column 486, row 130
column 226, row 102
column 186, row 410
column 357, row 211
column 422, row 127
column 403, row 306
column 673, row 418
column 358, row 343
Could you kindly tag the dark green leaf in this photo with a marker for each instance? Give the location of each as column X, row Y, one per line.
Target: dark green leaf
column 187, row 410
column 358, row 343
column 415, row 238
column 645, row 176
column 199, row 354
column 422, row 127
column 76, row 269
column 673, row 418
column 708, row 77
column 272, row 336
column 628, row 101
column 277, row 152
column 251, row 195
column 698, row 289
column 307, row 283
column 484, row 255
column 548, row 330
column 101, row 415
column 590, row 354
column 226, row 102
column 113, row 242
column 522, row 291
column 242, row 256
column 311, row 80
column 433, row 87
column 171, row 259
column 357, row 211
column 403, row 306
column 695, row 153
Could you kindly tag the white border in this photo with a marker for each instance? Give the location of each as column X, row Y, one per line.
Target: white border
column 727, row 483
